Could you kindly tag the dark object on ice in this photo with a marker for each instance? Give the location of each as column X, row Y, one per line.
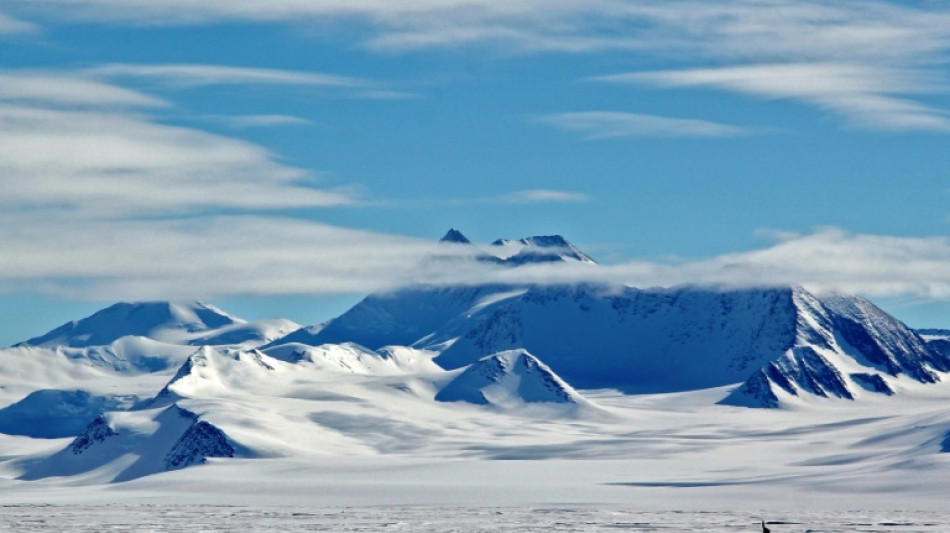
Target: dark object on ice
column 765, row 529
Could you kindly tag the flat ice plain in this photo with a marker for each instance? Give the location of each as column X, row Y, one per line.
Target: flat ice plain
column 671, row 462
column 421, row 519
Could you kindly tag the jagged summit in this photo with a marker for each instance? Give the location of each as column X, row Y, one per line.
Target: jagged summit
column 455, row 236
column 156, row 320
column 542, row 249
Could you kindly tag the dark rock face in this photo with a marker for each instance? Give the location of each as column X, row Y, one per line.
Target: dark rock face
column 873, row 383
column 97, row 431
column 199, row 442
column 850, row 327
column 454, row 235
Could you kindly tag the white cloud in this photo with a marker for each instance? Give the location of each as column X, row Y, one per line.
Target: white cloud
column 200, row 257
column 612, row 124
column 74, row 148
column 195, row 75
column 114, row 163
column 13, row 26
column 825, row 259
column 258, row 121
column 869, row 96
column 778, row 29
column 231, row 255
column 543, row 196
column 59, row 90
column 865, row 60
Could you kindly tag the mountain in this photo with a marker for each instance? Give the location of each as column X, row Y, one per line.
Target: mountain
column 844, row 345
column 399, row 318
column 161, row 321
column 209, row 371
column 354, row 359
column 541, row 249
column 780, row 342
column 246, row 334
column 53, row 414
column 402, row 317
column 455, row 236
column 126, row 445
column 513, row 376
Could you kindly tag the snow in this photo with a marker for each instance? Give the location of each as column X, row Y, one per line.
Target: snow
column 509, row 379
column 162, row 321
column 426, row 519
column 350, row 435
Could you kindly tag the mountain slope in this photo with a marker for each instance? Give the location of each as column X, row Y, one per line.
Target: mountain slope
column 657, row 340
column 514, row 376
column 399, row 318
column 123, row 446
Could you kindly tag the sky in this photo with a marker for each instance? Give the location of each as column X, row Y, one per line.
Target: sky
column 285, row 158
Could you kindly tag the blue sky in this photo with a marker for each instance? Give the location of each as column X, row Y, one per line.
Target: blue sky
column 283, row 158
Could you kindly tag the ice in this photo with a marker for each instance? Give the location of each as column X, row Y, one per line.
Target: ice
column 425, row 519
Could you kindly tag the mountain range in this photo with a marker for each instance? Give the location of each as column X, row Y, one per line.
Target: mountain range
column 141, row 388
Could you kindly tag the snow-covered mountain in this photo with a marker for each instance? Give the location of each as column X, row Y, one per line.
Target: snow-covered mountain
column 120, row 446
column 657, row 340
column 161, row 321
column 51, row 413
column 844, row 346
column 539, row 249
column 510, row 377
column 151, row 387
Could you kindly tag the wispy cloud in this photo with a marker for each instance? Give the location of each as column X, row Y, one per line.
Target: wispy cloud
column 786, row 29
column 13, row 26
column 58, row 90
column 195, row 75
column 75, row 148
column 544, row 196
column 871, row 96
column 612, row 124
column 867, row 61
column 257, row 121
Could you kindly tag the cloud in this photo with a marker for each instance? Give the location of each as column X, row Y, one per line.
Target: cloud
column 778, row 29
column 824, row 259
column 866, row 95
column 544, row 196
column 12, row 26
column 118, row 164
column 195, row 75
column 594, row 125
column 76, row 149
column 864, row 60
column 59, row 90
column 258, row 121
column 216, row 256
column 199, row 257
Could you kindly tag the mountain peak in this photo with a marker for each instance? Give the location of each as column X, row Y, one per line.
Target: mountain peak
column 543, row 249
column 158, row 320
column 455, row 236
column 506, row 377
